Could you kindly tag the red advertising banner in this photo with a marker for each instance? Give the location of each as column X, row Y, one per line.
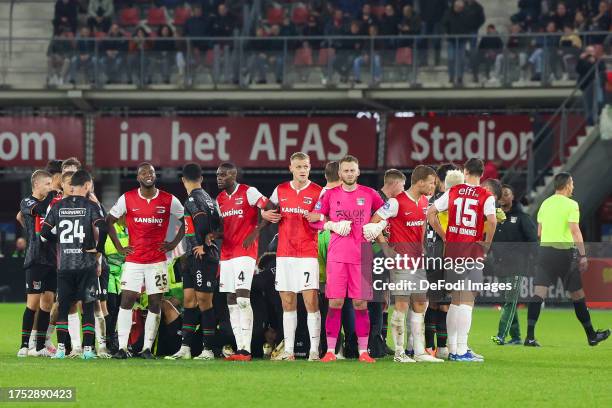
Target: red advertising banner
column 253, row 142
column 432, row 140
column 597, row 283
column 33, row 141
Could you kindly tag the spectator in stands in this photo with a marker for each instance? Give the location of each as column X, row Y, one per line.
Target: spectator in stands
column 456, row 23
column 350, row 7
column 113, row 51
column 432, row 12
column 65, row 15
column 84, row 58
column 165, row 49
column 59, row 53
column 258, row 59
column 592, row 81
column 491, row 170
column 570, row 46
column 490, row 47
column 349, row 49
column 580, row 22
column 544, row 59
column 475, row 16
column 389, row 25
column 561, row 16
column 369, row 55
column 529, row 12
column 517, row 46
column 99, row 15
column 366, row 18
column 313, row 29
column 336, row 25
column 600, row 22
column 138, row 57
column 409, row 25
column 20, row 248
column 222, row 24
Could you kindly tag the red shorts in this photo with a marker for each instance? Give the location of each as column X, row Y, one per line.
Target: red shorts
column 344, row 279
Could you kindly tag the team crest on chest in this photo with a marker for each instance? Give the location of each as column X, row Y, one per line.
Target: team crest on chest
column 239, row 201
column 160, row 210
column 308, row 200
column 361, row 201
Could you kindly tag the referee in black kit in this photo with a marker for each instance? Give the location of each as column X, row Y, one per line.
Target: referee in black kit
column 560, row 244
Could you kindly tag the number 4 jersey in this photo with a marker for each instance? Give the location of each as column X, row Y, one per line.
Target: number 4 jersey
column 468, row 206
column 73, row 219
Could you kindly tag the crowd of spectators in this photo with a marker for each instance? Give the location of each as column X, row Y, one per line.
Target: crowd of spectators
column 342, row 37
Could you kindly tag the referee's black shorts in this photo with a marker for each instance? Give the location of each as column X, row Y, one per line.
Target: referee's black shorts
column 556, row 263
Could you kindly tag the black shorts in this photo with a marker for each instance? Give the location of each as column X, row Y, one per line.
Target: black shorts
column 201, row 275
column 75, row 285
column 103, row 284
column 556, row 264
column 439, row 296
column 40, row 279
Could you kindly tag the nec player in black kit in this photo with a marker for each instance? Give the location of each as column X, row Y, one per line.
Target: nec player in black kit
column 39, row 264
column 199, row 281
column 71, row 224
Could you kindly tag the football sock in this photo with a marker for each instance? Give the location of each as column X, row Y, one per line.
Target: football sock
column 234, row 312
column 464, row 323
column 190, row 322
column 289, row 326
column 246, row 322
column 416, row 327
column 74, row 328
column 582, row 313
column 124, row 325
column 100, row 329
column 313, row 321
column 533, row 314
column 362, row 329
column 26, row 326
column 451, row 325
column 332, row 327
column 89, row 331
column 441, row 328
column 398, row 320
column 62, row 330
column 207, row 325
column 430, row 327
column 41, row 329
column 151, row 326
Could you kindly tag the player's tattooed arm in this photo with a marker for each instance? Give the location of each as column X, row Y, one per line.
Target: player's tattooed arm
column 491, row 226
column 112, row 233
column 432, row 219
column 102, row 226
column 47, row 233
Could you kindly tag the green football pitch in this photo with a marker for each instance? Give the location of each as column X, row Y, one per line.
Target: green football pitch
column 564, row 372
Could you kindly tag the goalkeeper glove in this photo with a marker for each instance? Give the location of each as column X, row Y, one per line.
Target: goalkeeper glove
column 500, row 215
column 342, row 228
column 372, row 230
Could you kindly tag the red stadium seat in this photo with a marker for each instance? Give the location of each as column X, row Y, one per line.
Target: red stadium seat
column 303, row 57
column 156, row 16
column 403, row 56
column 129, row 16
column 210, row 57
column 325, row 54
column 300, row 14
column 275, row 15
column 181, row 14
column 609, row 81
column 100, row 34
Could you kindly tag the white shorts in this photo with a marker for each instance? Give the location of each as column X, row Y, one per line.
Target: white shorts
column 296, row 274
column 409, row 282
column 236, row 273
column 153, row 277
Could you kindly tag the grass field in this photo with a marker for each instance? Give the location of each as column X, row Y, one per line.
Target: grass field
column 564, row 372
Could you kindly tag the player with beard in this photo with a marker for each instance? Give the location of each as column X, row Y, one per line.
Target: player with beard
column 238, row 206
column 348, row 208
column 147, row 210
column 406, row 217
column 41, row 277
